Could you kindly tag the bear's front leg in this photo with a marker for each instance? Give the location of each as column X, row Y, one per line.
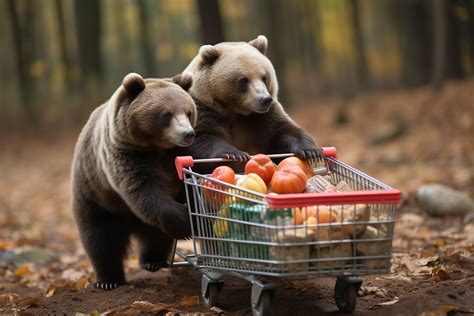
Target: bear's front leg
column 155, row 247
column 152, row 205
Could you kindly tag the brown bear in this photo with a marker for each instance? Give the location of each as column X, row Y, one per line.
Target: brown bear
column 235, row 90
column 123, row 179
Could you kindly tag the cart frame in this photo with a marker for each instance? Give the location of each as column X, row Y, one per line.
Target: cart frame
column 243, row 261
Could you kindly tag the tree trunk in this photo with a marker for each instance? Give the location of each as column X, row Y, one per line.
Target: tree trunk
column 276, row 43
column 65, row 59
column 361, row 58
column 88, row 29
column 23, row 42
column 453, row 50
column 470, row 37
column 415, row 27
column 212, row 31
column 439, row 46
column 147, row 47
column 310, row 14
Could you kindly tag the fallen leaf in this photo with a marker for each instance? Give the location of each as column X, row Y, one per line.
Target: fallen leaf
column 426, row 253
column 189, row 300
column 451, row 308
column 438, row 243
column 395, row 300
column 8, row 298
column 400, row 277
column 428, row 261
column 439, row 274
column 424, row 233
column 366, row 290
column 27, row 301
column 138, row 307
column 411, row 266
column 6, row 244
column 22, row 271
column 51, row 292
column 447, row 308
column 81, row 284
column 217, row 310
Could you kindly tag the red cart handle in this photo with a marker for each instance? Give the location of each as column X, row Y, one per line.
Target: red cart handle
column 391, row 196
column 183, row 162
column 188, row 161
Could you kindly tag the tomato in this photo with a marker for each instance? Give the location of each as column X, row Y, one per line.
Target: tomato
column 224, row 174
column 294, row 161
column 253, row 182
column 290, row 179
column 262, row 165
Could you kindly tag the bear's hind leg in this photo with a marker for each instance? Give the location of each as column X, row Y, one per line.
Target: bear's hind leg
column 155, row 248
column 105, row 239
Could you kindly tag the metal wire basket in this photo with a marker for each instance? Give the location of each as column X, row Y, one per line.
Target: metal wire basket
column 238, row 230
column 250, row 235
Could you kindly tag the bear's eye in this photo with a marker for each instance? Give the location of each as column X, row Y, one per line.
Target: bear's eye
column 264, row 79
column 167, row 116
column 243, row 82
column 189, row 114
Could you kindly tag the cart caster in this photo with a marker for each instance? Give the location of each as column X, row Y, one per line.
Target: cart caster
column 261, row 299
column 346, row 293
column 210, row 291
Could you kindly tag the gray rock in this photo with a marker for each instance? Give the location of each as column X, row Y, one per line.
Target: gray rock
column 439, row 200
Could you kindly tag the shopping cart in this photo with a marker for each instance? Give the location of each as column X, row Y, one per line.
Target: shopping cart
column 256, row 236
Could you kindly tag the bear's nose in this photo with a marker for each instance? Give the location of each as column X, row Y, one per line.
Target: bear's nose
column 266, row 101
column 188, row 136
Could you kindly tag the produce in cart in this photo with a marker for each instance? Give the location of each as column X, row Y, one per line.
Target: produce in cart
column 341, row 226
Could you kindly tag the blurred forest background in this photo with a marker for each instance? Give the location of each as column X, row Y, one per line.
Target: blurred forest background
column 390, row 83
column 61, row 58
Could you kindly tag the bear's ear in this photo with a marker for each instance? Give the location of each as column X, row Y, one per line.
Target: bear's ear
column 185, row 80
column 133, row 84
column 260, row 43
column 209, row 54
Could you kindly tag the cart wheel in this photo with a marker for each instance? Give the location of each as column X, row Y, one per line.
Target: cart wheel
column 264, row 304
column 346, row 295
column 210, row 293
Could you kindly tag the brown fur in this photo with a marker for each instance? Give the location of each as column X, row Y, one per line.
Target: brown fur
column 123, row 178
column 231, row 82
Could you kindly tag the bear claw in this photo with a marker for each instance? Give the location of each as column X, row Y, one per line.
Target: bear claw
column 310, row 154
column 240, row 156
column 106, row 285
column 153, row 266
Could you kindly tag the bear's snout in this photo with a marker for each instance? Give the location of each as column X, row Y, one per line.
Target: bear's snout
column 266, row 101
column 188, row 136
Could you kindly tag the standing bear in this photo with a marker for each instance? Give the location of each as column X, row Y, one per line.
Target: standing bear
column 123, row 179
column 235, row 90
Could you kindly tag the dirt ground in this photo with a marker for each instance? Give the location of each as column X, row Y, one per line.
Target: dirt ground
column 404, row 138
